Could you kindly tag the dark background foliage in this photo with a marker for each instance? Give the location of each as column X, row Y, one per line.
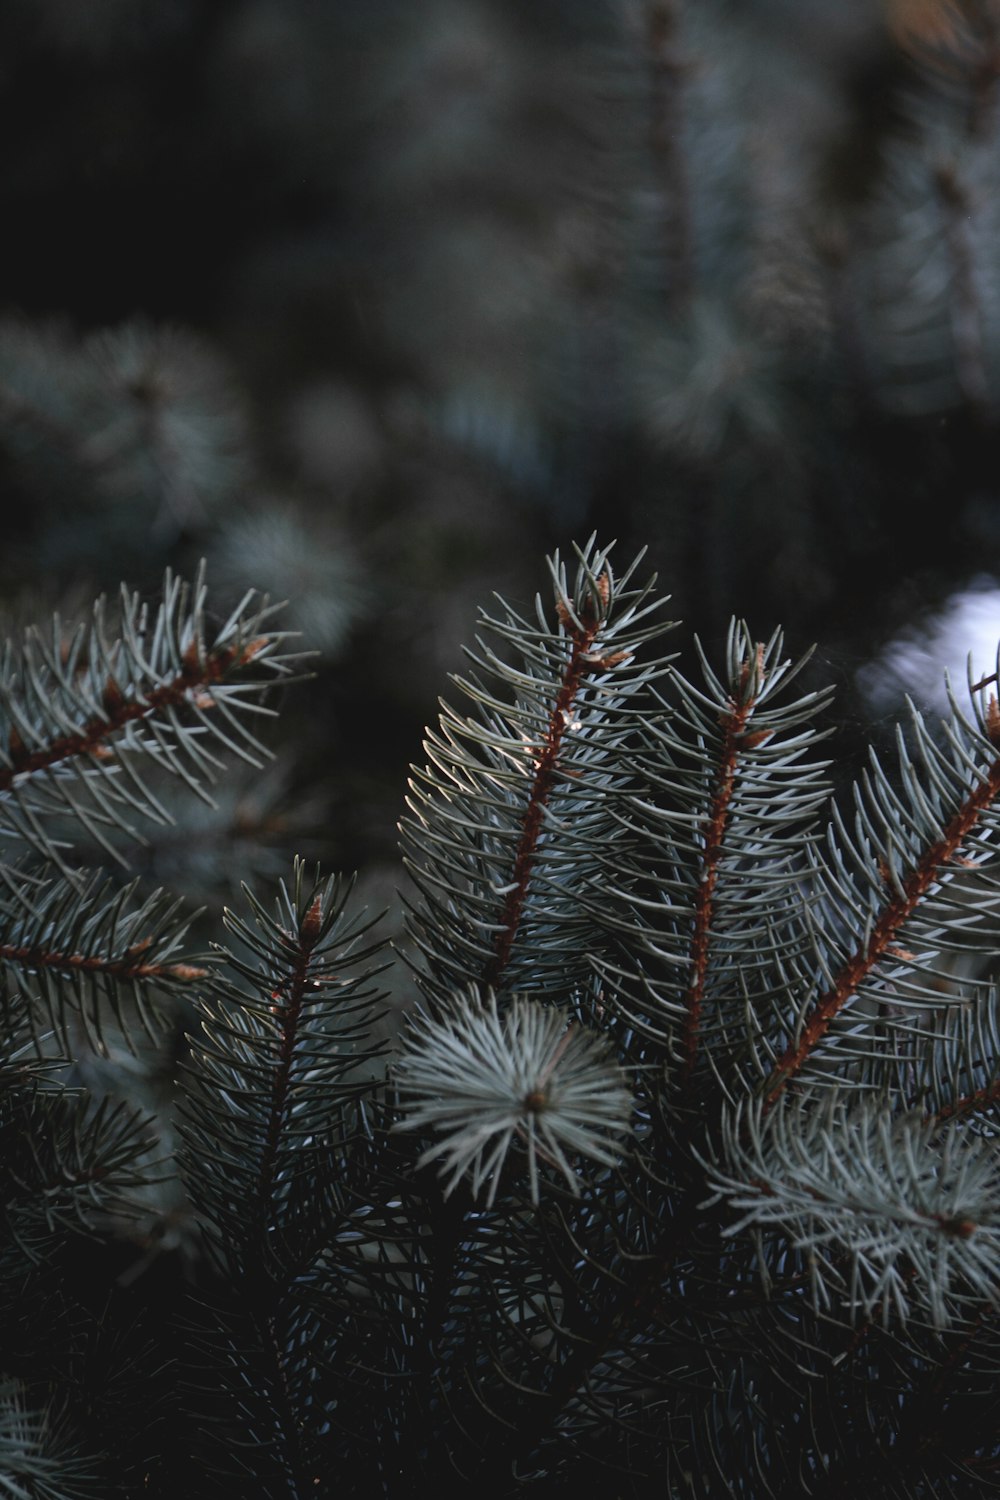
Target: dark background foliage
column 373, row 303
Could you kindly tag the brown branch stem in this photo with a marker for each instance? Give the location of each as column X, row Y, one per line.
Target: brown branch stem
column 196, row 674
column 894, row 914
column 981, row 1099
column 734, row 726
column 582, row 636
column 36, row 957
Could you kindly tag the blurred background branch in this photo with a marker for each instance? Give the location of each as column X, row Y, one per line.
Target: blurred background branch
column 371, row 304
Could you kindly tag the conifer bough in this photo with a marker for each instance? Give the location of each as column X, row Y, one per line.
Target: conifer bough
column 683, row 1178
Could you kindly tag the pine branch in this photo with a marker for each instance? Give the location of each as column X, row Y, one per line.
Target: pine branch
column 294, row 1049
column 976, row 1103
column 912, row 1204
column 510, row 819
column 721, row 908
column 23, row 1059
column 78, row 716
column 734, row 724
column 69, row 1167
column 38, row 1457
column 582, row 633
column 289, row 998
column 273, row 1139
column 950, row 844
column 192, row 685
column 706, row 899
column 543, row 768
column 951, row 1069
column 530, row 1079
column 583, row 1230
column 77, row 947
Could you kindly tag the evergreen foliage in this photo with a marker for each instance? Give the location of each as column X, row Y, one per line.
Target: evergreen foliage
column 664, row 1163
column 681, row 1179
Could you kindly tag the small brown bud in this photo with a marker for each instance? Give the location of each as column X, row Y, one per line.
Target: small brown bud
column 613, row 659
column 591, row 610
column 186, row 972
column 312, row 922
column 758, row 737
column 750, row 663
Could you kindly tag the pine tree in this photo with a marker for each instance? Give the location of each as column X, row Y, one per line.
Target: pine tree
column 682, row 1177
